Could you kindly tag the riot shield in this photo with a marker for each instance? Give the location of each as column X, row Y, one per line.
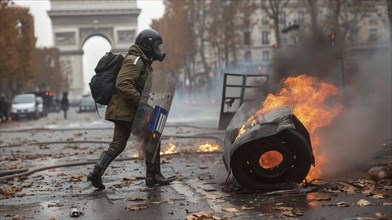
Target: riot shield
column 152, row 113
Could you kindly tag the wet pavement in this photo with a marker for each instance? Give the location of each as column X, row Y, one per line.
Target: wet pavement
column 202, row 189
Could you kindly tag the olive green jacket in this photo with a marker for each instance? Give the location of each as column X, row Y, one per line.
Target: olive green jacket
column 129, row 84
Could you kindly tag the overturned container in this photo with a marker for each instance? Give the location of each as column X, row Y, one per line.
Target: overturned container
column 272, row 153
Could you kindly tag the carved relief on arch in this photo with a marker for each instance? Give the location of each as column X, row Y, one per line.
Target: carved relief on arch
column 126, row 36
column 65, row 38
column 106, row 32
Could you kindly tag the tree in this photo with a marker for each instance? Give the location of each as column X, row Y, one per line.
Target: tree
column 17, row 43
column 179, row 39
column 47, row 71
column 313, row 11
column 274, row 9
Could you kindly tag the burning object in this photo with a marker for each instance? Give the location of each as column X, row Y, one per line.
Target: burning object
column 272, row 144
column 275, row 151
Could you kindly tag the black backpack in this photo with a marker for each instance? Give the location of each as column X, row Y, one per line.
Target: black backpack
column 102, row 84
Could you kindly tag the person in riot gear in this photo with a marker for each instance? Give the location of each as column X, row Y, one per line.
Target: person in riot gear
column 150, row 42
column 122, row 107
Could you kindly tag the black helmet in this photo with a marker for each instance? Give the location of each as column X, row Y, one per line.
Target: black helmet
column 150, row 41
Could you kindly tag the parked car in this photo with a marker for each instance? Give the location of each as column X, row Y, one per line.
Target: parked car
column 26, row 106
column 87, row 104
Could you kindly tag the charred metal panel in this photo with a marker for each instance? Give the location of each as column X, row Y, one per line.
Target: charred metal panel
column 237, row 89
column 279, row 132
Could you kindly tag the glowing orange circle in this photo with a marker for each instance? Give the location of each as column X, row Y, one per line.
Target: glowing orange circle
column 270, row 159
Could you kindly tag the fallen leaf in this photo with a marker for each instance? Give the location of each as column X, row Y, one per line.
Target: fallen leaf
column 211, row 197
column 220, row 218
column 8, row 192
column 381, row 216
column 287, row 214
column 342, row 204
column 76, row 178
column 284, row 208
column 27, row 185
column 380, row 196
column 349, row 189
column 202, row 214
column 61, row 174
column 231, row 210
column 203, row 167
column 170, row 202
column 247, row 207
column 57, row 204
column 363, row 202
column 138, row 207
column 322, row 198
column 17, row 217
column 122, row 184
column 138, row 198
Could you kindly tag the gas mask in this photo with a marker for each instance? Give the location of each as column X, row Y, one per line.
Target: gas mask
column 157, row 52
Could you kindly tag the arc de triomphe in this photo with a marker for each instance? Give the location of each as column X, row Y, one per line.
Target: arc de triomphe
column 74, row 22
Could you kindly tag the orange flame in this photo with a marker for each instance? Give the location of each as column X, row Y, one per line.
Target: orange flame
column 306, row 96
column 137, row 155
column 170, row 149
column 209, row 148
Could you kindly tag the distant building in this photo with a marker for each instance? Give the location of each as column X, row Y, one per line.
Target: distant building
column 259, row 45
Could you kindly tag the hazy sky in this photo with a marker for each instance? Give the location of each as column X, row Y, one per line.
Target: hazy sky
column 95, row 47
column 150, row 9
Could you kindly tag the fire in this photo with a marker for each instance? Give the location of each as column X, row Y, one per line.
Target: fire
column 170, row 150
column 306, row 96
column 135, row 155
column 209, row 148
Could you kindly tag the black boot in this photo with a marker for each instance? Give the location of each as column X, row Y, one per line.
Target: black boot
column 154, row 176
column 99, row 168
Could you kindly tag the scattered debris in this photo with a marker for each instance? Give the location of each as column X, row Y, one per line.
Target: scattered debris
column 231, row 210
column 381, row 216
column 363, row 202
column 170, row 202
column 247, row 207
column 341, row 204
column 200, row 215
column 380, row 172
column 75, row 212
column 138, row 207
column 137, row 198
column 56, row 204
column 9, row 192
column 76, row 178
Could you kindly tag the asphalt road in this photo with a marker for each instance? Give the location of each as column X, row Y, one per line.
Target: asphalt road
column 202, row 189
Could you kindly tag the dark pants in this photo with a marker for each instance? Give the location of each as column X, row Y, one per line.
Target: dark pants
column 122, row 131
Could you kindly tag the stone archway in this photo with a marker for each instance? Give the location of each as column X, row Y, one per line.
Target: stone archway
column 74, row 22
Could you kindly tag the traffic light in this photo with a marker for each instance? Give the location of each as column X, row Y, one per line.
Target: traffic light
column 332, row 39
column 259, row 68
column 48, row 93
column 275, row 46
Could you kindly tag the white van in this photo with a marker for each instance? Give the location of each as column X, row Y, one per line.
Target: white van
column 26, row 105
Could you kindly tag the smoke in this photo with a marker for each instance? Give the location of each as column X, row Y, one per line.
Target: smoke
column 356, row 134
column 313, row 55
